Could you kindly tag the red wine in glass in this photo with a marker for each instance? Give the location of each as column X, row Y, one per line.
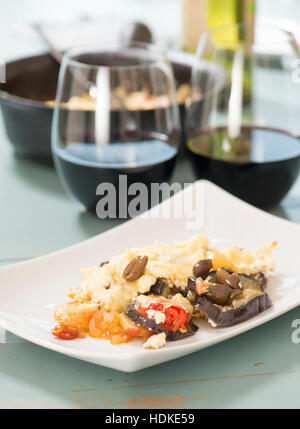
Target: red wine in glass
column 83, row 166
column 259, row 166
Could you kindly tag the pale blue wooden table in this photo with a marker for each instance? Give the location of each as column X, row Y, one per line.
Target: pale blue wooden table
column 257, row 369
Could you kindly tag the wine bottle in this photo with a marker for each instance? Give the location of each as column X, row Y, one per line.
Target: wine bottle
column 199, row 15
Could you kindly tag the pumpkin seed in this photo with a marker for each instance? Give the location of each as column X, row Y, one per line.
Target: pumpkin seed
column 135, row 269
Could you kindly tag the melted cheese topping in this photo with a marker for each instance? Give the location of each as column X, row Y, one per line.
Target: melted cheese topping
column 105, row 287
column 242, row 261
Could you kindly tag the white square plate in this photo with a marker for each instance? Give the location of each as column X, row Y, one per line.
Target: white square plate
column 31, row 290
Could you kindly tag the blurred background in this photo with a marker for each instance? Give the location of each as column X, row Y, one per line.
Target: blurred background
column 174, row 24
column 163, row 17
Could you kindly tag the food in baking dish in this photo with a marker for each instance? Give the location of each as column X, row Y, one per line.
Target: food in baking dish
column 158, row 292
column 133, row 100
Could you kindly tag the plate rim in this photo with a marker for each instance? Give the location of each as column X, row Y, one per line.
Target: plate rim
column 206, row 183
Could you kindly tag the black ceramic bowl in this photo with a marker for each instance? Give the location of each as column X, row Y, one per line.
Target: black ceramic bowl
column 32, row 81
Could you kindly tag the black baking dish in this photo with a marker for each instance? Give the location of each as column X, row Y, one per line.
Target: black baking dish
column 32, row 81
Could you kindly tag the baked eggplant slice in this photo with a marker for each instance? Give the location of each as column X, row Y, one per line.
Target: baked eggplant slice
column 174, row 329
column 159, row 288
column 241, row 305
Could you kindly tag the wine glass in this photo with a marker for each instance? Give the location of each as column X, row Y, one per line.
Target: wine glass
column 242, row 136
column 116, row 127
